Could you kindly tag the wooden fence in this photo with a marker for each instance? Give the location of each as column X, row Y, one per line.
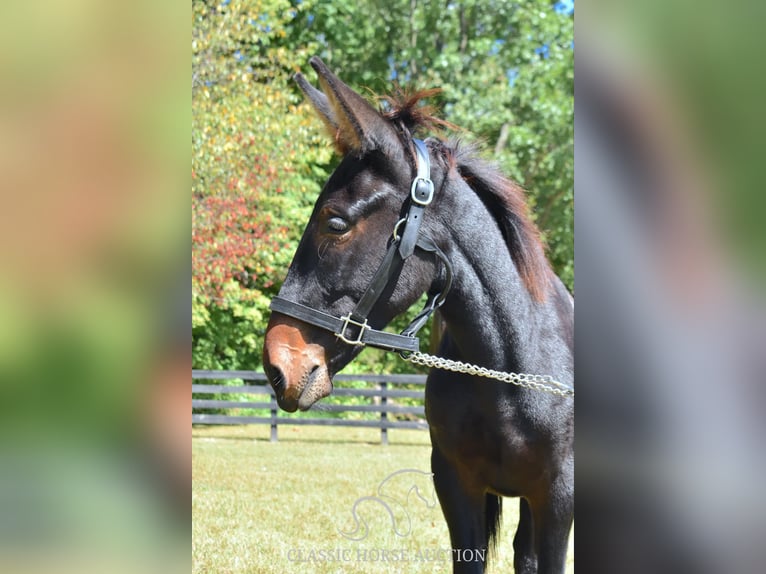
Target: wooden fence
column 382, row 387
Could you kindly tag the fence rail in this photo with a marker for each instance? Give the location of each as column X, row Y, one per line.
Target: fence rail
column 379, row 387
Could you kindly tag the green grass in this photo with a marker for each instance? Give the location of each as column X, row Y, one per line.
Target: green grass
column 259, row 507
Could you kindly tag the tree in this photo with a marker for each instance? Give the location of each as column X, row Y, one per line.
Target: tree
column 256, row 163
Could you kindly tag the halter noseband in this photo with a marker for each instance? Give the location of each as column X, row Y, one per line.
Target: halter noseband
column 353, row 328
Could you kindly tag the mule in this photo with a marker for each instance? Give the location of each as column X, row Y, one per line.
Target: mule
column 399, row 218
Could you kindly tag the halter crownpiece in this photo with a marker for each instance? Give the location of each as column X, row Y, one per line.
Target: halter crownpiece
column 353, row 328
column 422, row 190
column 421, row 195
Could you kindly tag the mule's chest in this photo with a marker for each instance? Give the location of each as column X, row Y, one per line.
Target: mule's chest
column 484, row 434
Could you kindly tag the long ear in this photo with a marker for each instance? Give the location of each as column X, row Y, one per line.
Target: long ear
column 320, row 103
column 358, row 126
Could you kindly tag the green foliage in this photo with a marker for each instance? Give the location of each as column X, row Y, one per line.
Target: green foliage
column 257, row 163
column 259, row 157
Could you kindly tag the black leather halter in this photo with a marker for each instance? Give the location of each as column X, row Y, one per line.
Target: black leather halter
column 353, row 328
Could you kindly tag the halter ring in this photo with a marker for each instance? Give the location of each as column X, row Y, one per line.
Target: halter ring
column 396, row 228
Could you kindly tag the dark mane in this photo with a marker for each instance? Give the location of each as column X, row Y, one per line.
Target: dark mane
column 507, row 202
column 504, row 198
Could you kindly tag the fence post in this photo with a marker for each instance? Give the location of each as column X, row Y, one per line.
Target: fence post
column 274, row 407
column 383, row 413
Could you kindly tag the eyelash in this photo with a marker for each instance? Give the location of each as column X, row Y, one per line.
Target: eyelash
column 337, row 225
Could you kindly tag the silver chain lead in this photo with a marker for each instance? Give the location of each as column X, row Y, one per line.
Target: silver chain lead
column 534, row 382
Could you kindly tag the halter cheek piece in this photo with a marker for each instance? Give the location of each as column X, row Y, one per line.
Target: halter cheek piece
column 353, row 328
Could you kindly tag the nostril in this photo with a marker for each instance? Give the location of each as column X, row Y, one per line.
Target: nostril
column 313, row 373
column 275, row 376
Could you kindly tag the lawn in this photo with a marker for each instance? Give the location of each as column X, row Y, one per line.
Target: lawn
column 262, row 507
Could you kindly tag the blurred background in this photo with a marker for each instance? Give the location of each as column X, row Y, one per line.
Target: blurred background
column 670, row 267
column 94, row 291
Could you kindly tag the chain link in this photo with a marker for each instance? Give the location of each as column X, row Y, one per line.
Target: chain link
column 534, row 382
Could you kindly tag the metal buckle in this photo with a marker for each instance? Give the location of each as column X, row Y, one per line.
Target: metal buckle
column 347, row 320
column 414, row 191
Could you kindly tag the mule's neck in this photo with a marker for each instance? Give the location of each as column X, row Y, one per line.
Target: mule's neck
column 491, row 316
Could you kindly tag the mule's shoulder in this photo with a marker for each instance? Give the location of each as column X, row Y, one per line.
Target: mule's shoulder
column 563, row 305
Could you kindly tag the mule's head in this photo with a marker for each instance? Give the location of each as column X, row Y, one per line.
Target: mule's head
column 343, row 244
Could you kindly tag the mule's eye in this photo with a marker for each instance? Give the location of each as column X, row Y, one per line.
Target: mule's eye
column 337, row 225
